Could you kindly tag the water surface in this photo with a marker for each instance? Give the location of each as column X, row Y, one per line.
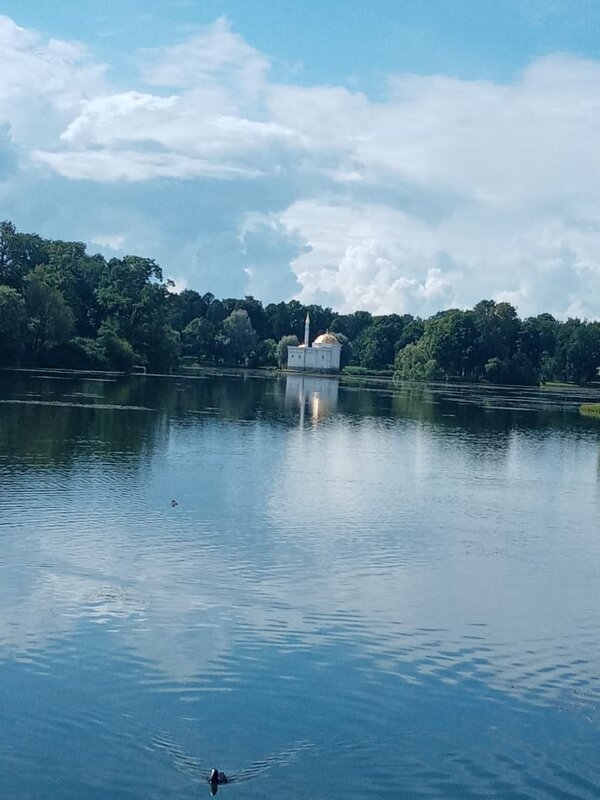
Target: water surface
column 361, row 590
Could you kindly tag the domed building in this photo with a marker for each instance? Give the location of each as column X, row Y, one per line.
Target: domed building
column 325, row 338
column 323, row 356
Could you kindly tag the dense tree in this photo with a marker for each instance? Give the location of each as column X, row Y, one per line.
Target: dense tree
column 347, row 349
column 297, row 317
column 185, row 306
column 198, row 339
column 376, row 346
column 237, row 338
column 351, row 325
column 450, row 340
column 320, row 319
column 517, row 369
column 50, row 320
column 577, row 354
column 61, row 306
column 150, row 334
column 497, row 328
column 216, row 312
column 264, row 354
column 411, row 333
column 287, row 319
column 257, row 315
column 13, row 319
column 125, row 287
column 282, row 349
column 114, row 350
column 77, row 275
column 279, row 318
column 20, row 253
column 414, row 363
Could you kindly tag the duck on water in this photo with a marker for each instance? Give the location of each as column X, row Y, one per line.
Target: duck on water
column 216, row 779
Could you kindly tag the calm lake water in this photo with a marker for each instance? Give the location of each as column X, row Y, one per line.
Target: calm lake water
column 361, row 590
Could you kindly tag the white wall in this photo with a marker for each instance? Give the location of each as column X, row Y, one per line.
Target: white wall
column 324, row 357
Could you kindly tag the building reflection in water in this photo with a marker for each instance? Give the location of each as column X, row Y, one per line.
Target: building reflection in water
column 315, row 394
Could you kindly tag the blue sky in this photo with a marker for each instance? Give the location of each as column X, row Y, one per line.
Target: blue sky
column 395, row 156
column 337, row 41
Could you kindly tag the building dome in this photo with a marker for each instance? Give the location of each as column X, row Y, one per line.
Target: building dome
column 326, row 338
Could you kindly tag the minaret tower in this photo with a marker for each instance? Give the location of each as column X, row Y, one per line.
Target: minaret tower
column 307, row 330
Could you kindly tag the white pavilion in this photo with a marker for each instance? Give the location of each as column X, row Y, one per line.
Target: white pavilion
column 323, row 356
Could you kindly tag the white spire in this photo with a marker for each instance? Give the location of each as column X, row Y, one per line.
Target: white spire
column 307, row 330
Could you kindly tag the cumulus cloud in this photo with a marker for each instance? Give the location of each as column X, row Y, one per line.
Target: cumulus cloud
column 267, row 245
column 251, row 261
column 214, row 56
column 131, row 165
column 42, row 80
column 370, row 257
column 180, row 125
column 444, row 192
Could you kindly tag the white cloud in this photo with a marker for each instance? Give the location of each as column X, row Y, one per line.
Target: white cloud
column 507, row 174
column 214, row 55
column 111, row 241
column 129, row 165
column 371, row 257
column 13, row 36
column 175, row 125
column 42, row 82
column 128, row 116
column 445, row 192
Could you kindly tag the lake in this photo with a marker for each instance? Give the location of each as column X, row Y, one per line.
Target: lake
column 358, row 589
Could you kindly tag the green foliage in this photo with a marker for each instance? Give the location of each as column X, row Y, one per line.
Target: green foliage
column 346, row 352
column 449, row 340
column 351, row 325
column 354, row 370
column 184, row 307
column 216, row 312
column 590, row 410
column 50, row 319
column 257, row 315
column 198, row 339
column 577, row 353
column 320, row 319
column 77, row 276
column 288, row 319
column 411, row 333
column 164, row 355
column 236, row 339
column 20, row 253
column 266, row 354
column 13, row 321
column 281, row 351
column 517, row 370
column 61, row 306
column 414, row 363
column 376, row 346
column 279, row 318
column 82, row 353
column 116, row 352
column 497, row 327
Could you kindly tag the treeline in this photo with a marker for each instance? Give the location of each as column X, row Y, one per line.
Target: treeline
column 61, row 307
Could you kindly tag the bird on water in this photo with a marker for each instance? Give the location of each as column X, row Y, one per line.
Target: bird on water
column 216, row 779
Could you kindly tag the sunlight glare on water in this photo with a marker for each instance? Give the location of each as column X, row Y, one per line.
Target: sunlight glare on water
column 360, row 589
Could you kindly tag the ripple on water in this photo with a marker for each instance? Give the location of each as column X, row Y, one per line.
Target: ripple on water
column 73, row 404
column 376, row 622
column 199, row 770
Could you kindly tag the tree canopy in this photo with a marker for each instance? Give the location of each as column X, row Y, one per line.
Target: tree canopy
column 62, row 307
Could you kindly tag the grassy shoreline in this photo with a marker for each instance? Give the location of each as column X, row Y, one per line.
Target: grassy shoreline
column 590, row 410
